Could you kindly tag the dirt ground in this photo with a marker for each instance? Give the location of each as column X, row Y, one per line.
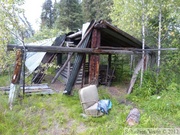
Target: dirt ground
column 118, row 92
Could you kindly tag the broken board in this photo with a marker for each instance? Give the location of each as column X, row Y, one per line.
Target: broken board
column 32, row 89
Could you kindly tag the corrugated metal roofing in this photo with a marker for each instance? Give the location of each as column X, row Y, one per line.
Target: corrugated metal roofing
column 33, row 59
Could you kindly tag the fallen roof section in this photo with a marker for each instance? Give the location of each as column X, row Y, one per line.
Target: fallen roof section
column 31, row 57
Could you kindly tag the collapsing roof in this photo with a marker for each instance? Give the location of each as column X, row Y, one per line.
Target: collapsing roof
column 31, row 57
column 113, row 37
column 98, row 38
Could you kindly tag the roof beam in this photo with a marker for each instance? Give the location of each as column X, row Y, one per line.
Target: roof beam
column 56, row 49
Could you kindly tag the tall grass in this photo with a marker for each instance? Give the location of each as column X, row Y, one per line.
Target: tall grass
column 61, row 114
column 159, row 99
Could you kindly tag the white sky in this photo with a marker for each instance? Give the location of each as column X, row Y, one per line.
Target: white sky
column 33, row 10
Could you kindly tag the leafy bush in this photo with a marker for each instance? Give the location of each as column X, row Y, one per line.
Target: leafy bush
column 158, row 97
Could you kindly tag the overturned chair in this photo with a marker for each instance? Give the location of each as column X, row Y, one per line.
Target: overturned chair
column 89, row 100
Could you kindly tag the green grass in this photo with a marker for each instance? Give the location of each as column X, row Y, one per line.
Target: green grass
column 58, row 113
column 4, row 80
column 163, row 109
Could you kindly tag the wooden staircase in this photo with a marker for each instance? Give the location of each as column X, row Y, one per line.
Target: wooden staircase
column 65, row 76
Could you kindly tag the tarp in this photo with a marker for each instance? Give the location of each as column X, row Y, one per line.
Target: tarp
column 104, row 105
column 33, row 59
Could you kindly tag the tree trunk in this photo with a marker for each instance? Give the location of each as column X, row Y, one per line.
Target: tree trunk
column 143, row 41
column 159, row 42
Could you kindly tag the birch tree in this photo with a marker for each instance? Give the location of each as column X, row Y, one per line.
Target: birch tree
column 143, row 41
column 162, row 27
column 10, row 28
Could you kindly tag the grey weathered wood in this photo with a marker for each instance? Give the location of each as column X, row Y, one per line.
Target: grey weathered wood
column 78, row 60
column 69, row 66
column 13, row 93
column 133, row 79
column 64, row 75
column 34, row 86
column 137, row 49
column 100, row 50
column 51, row 49
column 146, row 61
column 43, row 91
column 132, row 62
column 133, row 117
column 35, row 89
column 61, row 69
column 75, row 34
column 38, row 91
column 55, row 49
column 6, row 88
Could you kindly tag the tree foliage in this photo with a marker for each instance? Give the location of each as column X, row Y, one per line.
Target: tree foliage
column 44, row 33
column 11, row 28
column 69, row 15
column 127, row 15
column 47, row 15
column 169, row 23
column 96, row 9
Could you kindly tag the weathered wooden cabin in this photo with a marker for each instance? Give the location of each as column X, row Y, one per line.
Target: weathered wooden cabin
column 83, row 50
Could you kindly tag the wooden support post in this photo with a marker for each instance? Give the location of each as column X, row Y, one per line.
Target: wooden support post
column 109, row 60
column 132, row 62
column 133, row 79
column 59, row 59
column 152, row 60
column 146, row 61
column 69, row 66
column 18, row 67
column 14, row 86
column 22, row 80
column 83, row 72
column 94, row 58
